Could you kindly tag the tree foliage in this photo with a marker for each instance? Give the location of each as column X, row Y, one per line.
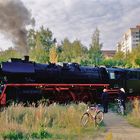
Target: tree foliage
column 95, row 53
column 134, row 56
column 119, row 55
column 40, row 43
column 7, row 54
column 53, row 55
column 137, row 61
column 71, row 51
column 66, row 51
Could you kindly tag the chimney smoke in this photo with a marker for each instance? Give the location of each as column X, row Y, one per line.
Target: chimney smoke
column 14, row 17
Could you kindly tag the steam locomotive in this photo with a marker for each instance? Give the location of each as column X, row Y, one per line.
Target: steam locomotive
column 24, row 80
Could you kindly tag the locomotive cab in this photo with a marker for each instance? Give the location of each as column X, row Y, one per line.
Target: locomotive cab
column 133, row 82
column 117, row 77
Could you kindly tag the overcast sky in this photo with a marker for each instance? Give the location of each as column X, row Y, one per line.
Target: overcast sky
column 77, row 19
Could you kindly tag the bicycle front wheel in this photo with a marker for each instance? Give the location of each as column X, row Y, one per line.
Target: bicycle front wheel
column 99, row 117
column 84, row 119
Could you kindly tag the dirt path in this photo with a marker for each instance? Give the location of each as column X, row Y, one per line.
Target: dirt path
column 118, row 128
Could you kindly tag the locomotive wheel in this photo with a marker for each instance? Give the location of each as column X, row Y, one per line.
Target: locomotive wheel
column 85, row 99
column 67, row 98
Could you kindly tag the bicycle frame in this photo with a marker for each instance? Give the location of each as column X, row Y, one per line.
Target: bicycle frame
column 93, row 113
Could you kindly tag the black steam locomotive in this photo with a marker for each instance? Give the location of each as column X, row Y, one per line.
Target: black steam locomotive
column 30, row 81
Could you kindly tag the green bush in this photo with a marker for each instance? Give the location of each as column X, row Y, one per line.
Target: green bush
column 13, row 135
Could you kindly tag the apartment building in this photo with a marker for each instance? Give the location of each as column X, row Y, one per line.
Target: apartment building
column 130, row 40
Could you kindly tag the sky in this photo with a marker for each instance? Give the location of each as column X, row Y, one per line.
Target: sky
column 78, row 19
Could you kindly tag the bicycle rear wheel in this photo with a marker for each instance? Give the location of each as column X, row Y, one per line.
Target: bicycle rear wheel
column 84, row 119
column 99, row 117
column 120, row 110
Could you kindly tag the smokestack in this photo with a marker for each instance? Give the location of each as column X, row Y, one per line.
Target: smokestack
column 26, row 58
column 14, row 17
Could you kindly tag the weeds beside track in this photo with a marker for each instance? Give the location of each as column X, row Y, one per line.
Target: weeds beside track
column 52, row 122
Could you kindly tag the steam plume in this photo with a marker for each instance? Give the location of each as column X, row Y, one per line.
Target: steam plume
column 14, row 17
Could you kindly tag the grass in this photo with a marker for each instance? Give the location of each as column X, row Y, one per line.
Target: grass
column 46, row 122
column 133, row 117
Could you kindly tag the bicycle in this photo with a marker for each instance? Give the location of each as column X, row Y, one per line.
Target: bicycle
column 120, row 108
column 93, row 113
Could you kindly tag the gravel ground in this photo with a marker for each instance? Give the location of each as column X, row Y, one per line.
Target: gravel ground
column 117, row 128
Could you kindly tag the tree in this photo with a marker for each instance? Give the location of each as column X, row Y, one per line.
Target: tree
column 95, row 53
column 77, row 51
column 72, row 51
column 31, row 37
column 53, row 55
column 66, row 54
column 119, row 55
column 38, row 53
column 7, row 54
column 46, row 38
column 137, row 61
column 134, row 56
column 40, row 43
